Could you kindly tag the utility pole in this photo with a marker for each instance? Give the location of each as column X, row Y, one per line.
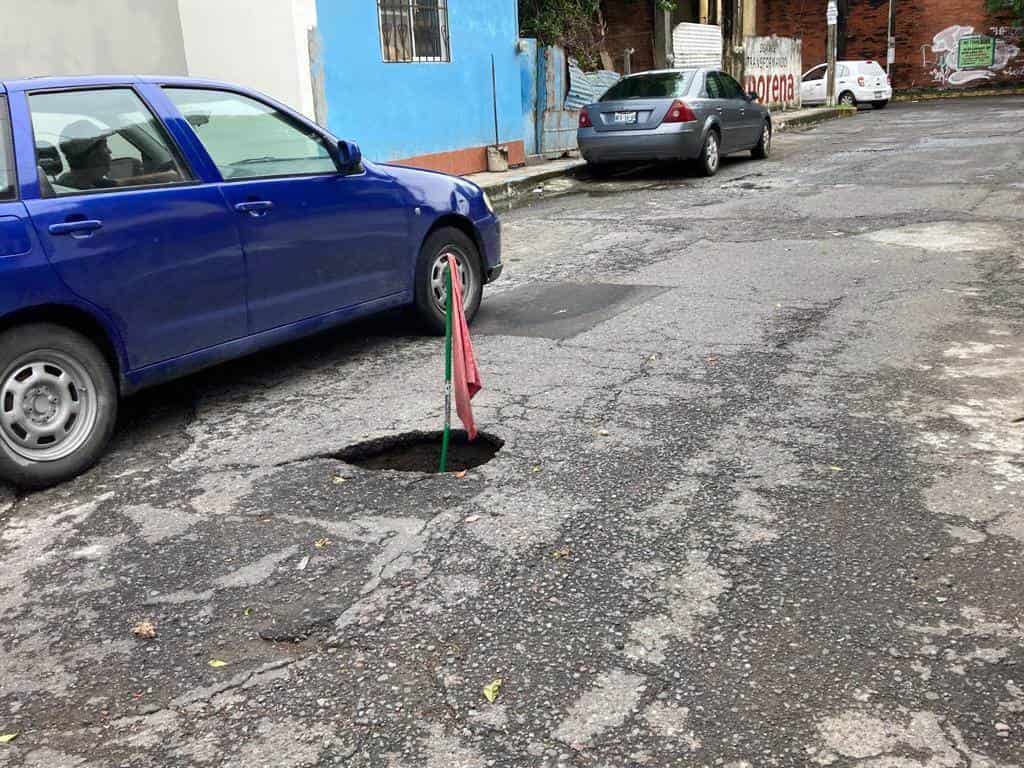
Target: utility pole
column 832, row 17
column 890, row 56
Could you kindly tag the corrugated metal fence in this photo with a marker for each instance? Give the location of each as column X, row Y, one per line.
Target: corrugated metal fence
column 553, row 98
column 697, row 45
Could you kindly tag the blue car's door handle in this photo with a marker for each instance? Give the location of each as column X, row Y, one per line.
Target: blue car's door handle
column 254, row 207
column 83, row 227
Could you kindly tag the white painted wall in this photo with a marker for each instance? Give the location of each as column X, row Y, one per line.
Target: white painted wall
column 258, row 43
column 88, row 37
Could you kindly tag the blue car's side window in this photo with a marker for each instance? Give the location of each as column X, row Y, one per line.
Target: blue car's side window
column 93, row 140
column 8, row 183
column 247, row 139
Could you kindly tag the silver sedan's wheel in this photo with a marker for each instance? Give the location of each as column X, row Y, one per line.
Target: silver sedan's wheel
column 47, row 405
column 710, row 155
column 467, row 276
column 763, row 148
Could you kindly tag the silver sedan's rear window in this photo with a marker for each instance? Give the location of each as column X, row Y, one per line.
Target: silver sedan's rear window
column 663, row 85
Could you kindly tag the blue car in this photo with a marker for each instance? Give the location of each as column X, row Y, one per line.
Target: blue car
column 151, row 227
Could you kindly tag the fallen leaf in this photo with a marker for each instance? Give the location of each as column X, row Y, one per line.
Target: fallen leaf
column 217, row 663
column 836, row 469
column 7, row 738
column 491, row 690
column 472, row 518
column 603, row 432
column 303, row 563
column 339, row 480
column 144, row 630
column 322, row 543
column 247, row 612
column 535, row 469
column 461, row 474
column 561, row 552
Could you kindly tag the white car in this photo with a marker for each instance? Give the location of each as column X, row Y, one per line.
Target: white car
column 857, row 82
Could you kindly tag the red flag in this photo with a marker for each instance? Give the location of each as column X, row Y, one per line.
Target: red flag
column 465, row 374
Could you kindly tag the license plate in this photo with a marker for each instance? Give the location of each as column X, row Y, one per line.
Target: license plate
column 878, row 94
column 626, row 118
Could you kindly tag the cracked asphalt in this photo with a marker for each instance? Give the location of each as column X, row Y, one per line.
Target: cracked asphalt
column 759, row 501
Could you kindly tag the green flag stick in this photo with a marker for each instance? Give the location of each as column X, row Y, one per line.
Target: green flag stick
column 446, row 438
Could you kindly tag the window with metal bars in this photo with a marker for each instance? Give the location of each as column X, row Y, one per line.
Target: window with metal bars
column 414, row 30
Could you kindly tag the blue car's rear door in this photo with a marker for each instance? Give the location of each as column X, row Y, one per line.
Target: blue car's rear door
column 315, row 240
column 126, row 224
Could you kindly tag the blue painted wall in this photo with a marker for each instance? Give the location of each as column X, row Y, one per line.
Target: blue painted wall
column 397, row 111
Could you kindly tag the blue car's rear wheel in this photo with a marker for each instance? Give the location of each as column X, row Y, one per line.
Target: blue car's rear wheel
column 58, row 404
column 430, row 292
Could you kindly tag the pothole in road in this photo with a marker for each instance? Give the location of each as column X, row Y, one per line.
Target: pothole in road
column 421, row 452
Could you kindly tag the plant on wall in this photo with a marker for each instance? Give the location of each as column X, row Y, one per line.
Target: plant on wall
column 577, row 25
column 1015, row 7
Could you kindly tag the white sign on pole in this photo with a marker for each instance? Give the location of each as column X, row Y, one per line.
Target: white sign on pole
column 832, row 14
column 891, row 59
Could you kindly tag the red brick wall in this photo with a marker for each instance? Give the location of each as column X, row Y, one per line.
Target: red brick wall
column 630, row 24
column 917, row 24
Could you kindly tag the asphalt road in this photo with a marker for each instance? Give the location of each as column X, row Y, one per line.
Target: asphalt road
column 759, row 501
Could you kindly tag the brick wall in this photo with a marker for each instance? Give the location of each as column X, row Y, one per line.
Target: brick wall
column 630, row 24
column 927, row 38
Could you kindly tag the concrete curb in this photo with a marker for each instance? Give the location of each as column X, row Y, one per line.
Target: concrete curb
column 975, row 94
column 506, row 189
column 811, row 118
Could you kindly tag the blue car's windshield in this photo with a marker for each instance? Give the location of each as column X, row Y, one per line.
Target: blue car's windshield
column 663, row 85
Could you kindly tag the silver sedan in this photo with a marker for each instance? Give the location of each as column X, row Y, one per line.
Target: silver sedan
column 674, row 114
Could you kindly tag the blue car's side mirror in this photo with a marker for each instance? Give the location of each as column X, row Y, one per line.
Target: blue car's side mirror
column 349, row 156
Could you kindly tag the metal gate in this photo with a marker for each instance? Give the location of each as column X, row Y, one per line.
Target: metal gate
column 553, row 98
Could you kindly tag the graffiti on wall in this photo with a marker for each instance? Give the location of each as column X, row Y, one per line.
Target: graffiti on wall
column 772, row 68
column 960, row 56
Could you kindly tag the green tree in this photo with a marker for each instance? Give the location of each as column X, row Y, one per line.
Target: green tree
column 1014, row 7
column 577, row 25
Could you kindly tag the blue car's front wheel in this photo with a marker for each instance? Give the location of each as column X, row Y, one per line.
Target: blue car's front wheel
column 430, row 292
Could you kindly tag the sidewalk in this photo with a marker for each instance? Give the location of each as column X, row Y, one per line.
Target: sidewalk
column 801, row 118
column 503, row 186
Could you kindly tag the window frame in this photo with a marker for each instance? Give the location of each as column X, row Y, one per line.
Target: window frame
column 708, row 78
column 824, row 74
column 172, row 145
column 725, row 79
column 443, row 28
column 330, row 144
column 9, row 154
